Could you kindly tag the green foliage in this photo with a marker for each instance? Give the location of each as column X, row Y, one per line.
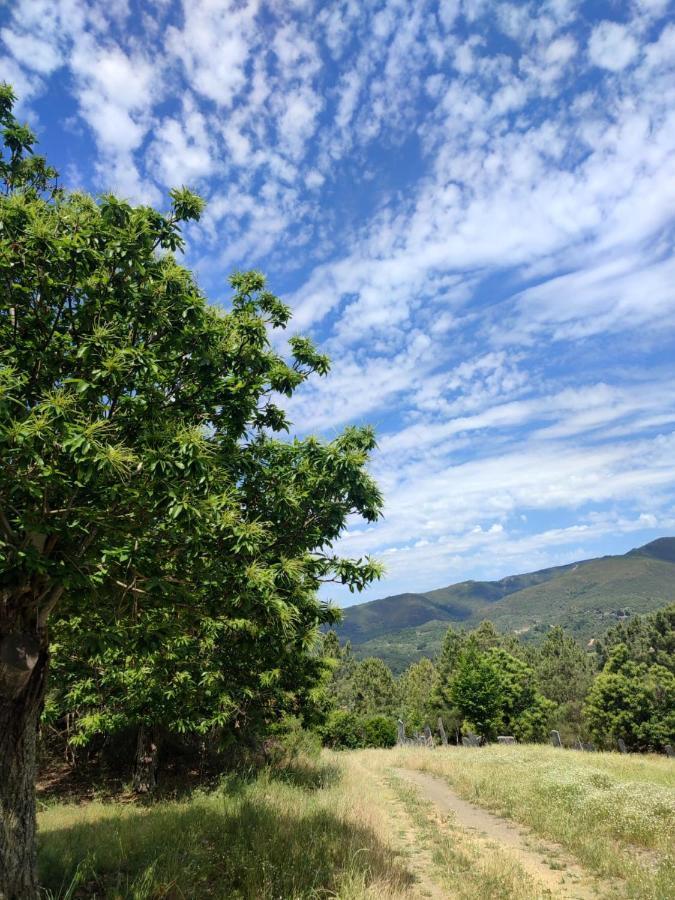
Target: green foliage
column 564, row 669
column 632, row 701
column 650, row 640
column 378, row 731
column 372, row 689
column 491, row 684
column 342, row 664
column 342, row 730
column 345, row 730
column 416, row 687
column 290, row 741
column 149, row 509
column 495, row 692
column 584, row 598
column 565, row 672
column 476, row 691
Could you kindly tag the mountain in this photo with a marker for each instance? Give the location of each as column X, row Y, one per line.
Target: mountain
column 585, row 597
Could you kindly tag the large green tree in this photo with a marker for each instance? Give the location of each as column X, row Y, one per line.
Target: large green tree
column 497, row 692
column 565, row 672
column 416, row 686
column 632, row 701
column 141, row 479
column 372, row 688
column 649, row 639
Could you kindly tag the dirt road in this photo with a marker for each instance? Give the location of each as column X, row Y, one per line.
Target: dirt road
column 556, row 872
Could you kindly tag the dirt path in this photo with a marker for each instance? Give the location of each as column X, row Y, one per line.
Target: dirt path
column 567, row 880
column 417, row 857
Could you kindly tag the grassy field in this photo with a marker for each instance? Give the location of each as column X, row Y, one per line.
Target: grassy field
column 614, row 813
column 346, row 826
column 315, row 830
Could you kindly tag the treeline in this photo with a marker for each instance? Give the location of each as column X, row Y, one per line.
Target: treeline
column 620, row 688
column 126, row 710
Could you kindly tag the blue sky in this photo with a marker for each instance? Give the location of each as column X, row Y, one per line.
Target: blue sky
column 469, row 205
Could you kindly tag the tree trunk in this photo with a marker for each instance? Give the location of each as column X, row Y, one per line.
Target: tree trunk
column 145, row 766
column 23, row 670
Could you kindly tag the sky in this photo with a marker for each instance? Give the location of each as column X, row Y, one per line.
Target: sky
column 468, row 204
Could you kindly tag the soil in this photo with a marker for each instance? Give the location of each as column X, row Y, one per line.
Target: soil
column 567, row 880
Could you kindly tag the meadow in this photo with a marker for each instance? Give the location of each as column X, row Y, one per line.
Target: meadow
column 348, row 825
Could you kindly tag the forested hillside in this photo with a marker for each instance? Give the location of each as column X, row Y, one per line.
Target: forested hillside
column 585, row 597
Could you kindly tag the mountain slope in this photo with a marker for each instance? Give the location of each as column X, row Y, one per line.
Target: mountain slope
column 585, row 597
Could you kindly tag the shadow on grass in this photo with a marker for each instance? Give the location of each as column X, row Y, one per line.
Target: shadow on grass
column 266, row 840
column 307, row 775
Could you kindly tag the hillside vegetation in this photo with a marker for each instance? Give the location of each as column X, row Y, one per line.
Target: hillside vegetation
column 584, row 597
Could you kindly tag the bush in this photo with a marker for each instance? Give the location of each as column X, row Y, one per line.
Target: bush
column 345, row 730
column 289, row 741
column 632, row 701
column 341, row 730
column 378, row 731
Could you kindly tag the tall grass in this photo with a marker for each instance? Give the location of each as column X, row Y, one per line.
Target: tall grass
column 615, row 813
column 460, row 861
column 308, row 833
column 345, row 827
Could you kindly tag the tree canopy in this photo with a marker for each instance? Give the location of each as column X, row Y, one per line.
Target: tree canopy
column 632, row 701
column 147, row 503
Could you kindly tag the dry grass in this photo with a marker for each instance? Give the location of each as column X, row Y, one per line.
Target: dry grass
column 314, row 831
column 345, row 827
column 467, row 867
column 614, row 813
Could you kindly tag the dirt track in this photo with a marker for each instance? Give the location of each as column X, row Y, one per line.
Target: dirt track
column 567, row 880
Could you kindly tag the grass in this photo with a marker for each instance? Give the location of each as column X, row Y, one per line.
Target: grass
column 461, row 863
column 347, row 827
column 615, row 813
column 312, row 832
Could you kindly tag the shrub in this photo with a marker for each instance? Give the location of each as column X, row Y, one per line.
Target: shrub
column 378, row 731
column 342, row 730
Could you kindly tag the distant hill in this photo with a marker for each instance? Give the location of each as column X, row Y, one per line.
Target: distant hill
column 585, row 597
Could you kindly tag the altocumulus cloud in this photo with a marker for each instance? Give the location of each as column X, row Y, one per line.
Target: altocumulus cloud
column 469, row 204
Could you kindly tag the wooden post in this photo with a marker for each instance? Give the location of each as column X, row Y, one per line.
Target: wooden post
column 441, row 731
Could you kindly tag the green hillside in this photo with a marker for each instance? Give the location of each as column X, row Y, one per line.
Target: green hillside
column 585, row 597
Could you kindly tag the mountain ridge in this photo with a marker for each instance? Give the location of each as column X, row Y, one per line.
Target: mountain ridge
column 584, row 596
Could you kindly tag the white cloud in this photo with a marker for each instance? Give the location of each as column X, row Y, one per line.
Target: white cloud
column 482, row 238
column 32, row 52
column 181, row 147
column 25, row 84
column 612, row 46
column 214, row 45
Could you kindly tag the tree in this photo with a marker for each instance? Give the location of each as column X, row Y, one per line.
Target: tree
column 441, row 700
column 141, row 479
column 495, row 692
column 372, row 688
column 525, row 712
column 343, row 664
column 565, row 670
column 649, row 639
column 476, row 691
column 416, row 687
column 632, row 701
column 481, row 639
column 565, row 673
